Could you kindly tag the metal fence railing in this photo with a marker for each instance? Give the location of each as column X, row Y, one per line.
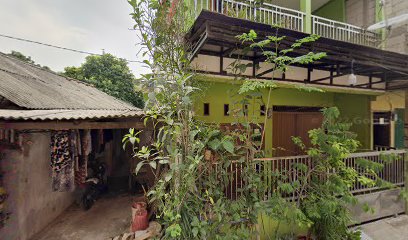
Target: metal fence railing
column 393, row 162
column 288, row 18
column 253, row 11
column 343, row 32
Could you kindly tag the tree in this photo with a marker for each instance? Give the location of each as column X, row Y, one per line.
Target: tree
column 24, row 58
column 110, row 75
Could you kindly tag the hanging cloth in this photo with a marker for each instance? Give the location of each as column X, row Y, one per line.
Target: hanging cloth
column 87, row 142
column 62, row 163
column 86, row 147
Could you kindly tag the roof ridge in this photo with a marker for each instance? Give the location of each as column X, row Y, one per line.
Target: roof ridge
column 125, row 104
column 45, row 70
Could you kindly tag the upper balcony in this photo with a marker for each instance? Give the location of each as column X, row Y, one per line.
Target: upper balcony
column 288, row 18
column 350, row 50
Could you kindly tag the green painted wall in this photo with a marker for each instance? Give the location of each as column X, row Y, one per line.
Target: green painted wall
column 353, row 107
column 356, row 110
column 334, row 10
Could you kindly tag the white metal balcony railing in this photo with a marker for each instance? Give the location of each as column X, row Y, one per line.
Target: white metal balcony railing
column 343, row 32
column 250, row 10
column 288, row 18
column 392, row 172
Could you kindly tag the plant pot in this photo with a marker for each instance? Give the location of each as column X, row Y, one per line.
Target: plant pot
column 140, row 221
column 137, row 206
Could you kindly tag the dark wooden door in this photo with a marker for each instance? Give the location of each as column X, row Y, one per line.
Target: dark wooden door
column 297, row 124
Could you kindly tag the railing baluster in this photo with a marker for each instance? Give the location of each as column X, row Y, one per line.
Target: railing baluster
column 287, row 167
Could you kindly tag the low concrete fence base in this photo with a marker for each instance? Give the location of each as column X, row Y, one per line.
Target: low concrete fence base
column 384, row 203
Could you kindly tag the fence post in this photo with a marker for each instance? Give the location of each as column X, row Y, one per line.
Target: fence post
column 405, row 156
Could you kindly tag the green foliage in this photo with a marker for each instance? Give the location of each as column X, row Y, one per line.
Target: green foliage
column 188, row 195
column 110, row 75
column 193, row 161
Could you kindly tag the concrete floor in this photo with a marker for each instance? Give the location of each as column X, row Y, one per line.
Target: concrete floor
column 395, row 228
column 110, row 216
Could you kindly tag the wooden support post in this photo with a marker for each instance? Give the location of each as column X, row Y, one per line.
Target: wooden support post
column 309, row 74
column 331, row 76
column 222, row 61
column 370, row 81
column 255, row 62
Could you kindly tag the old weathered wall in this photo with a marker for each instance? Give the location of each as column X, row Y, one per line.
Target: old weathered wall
column 32, row 203
column 360, row 12
column 363, row 13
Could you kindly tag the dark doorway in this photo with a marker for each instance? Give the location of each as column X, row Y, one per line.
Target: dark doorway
column 382, row 129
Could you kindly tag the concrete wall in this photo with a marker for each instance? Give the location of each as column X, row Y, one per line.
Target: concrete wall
column 27, row 179
column 384, row 203
column 363, row 13
column 360, row 12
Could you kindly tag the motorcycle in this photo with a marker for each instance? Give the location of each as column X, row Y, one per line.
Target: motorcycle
column 94, row 186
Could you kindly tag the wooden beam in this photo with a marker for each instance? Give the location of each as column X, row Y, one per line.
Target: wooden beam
column 217, row 54
column 369, row 84
column 289, row 80
column 64, row 125
column 225, row 53
column 224, row 29
column 265, row 72
column 330, row 77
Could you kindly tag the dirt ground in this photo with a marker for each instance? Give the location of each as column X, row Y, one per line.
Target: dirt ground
column 109, row 217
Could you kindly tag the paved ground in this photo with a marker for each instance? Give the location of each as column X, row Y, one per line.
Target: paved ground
column 395, row 228
column 109, row 217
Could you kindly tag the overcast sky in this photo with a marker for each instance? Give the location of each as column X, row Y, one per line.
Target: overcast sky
column 88, row 25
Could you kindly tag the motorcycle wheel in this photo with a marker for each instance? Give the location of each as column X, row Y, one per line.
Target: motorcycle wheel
column 86, row 202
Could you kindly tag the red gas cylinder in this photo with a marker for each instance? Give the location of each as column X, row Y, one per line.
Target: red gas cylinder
column 140, row 221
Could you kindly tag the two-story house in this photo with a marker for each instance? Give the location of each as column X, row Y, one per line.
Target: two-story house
column 366, row 82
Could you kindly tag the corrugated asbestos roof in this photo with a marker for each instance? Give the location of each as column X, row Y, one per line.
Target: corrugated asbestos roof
column 31, row 87
column 45, row 95
column 64, row 114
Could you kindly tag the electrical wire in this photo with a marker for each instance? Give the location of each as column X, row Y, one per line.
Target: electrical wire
column 59, row 47
column 130, row 61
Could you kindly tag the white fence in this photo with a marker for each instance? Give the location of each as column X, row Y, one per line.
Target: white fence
column 288, row 18
column 253, row 11
column 343, row 32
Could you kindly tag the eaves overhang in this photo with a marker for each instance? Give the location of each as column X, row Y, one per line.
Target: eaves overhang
column 219, row 30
